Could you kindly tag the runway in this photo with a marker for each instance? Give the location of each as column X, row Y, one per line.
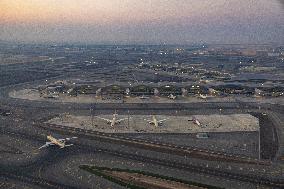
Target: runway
column 126, row 147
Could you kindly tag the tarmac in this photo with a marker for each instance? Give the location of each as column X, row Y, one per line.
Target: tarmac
column 171, row 124
column 33, row 95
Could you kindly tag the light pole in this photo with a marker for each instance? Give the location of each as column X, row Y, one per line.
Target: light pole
column 177, row 119
column 92, row 117
column 128, row 119
column 259, row 148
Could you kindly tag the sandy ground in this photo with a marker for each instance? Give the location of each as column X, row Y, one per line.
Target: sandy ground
column 172, row 124
column 30, row 94
column 148, row 181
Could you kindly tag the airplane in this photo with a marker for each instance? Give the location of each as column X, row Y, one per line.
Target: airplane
column 156, row 122
column 195, row 121
column 171, row 96
column 202, row 96
column 112, row 121
column 58, row 142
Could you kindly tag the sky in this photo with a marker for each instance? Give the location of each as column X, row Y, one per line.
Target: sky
column 143, row 21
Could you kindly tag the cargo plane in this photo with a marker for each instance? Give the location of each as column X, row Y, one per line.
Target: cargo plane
column 58, row 142
column 156, row 122
column 202, row 96
column 195, row 121
column 172, row 97
column 112, row 121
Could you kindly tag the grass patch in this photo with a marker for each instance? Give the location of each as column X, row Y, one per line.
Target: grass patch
column 99, row 172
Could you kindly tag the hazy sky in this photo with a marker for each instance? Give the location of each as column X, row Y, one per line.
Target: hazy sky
column 143, row 21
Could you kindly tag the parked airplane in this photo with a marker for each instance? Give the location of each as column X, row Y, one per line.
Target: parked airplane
column 112, row 121
column 58, row 142
column 171, row 96
column 156, row 122
column 202, row 96
column 195, row 121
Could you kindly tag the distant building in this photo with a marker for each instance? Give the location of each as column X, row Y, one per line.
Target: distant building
column 113, row 92
column 258, row 92
column 141, row 90
column 156, row 92
column 169, row 90
column 273, row 54
column 213, row 91
column 184, row 92
column 249, row 52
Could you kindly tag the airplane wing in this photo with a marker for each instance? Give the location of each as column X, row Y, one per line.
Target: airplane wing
column 67, row 139
column 104, row 119
column 121, row 119
column 148, row 120
column 46, row 145
column 160, row 121
column 69, row 145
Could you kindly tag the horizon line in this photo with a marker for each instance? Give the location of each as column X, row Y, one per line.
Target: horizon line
column 113, row 43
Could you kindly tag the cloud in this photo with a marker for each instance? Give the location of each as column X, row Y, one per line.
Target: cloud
column 149, row 21
column 282, row 3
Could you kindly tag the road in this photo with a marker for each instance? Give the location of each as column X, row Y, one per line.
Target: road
column 39, row 170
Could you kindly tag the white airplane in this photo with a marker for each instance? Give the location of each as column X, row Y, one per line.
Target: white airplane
column 171, row 96
column 156, row 122
column 195, row 121
column 112, row 121
column 58, row 142
column 202, row 96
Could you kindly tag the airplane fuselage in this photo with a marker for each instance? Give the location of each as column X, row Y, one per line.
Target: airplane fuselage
column 113, row 121
column 203, row 96
column 154, row 121
column 197, row 122
column 55, row 141
column 172, row 97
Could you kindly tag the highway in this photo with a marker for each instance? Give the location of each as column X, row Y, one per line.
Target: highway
column 24, row 131
column 246, row 160
column 155, row 146
column 85, row 148
column 133, row 142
